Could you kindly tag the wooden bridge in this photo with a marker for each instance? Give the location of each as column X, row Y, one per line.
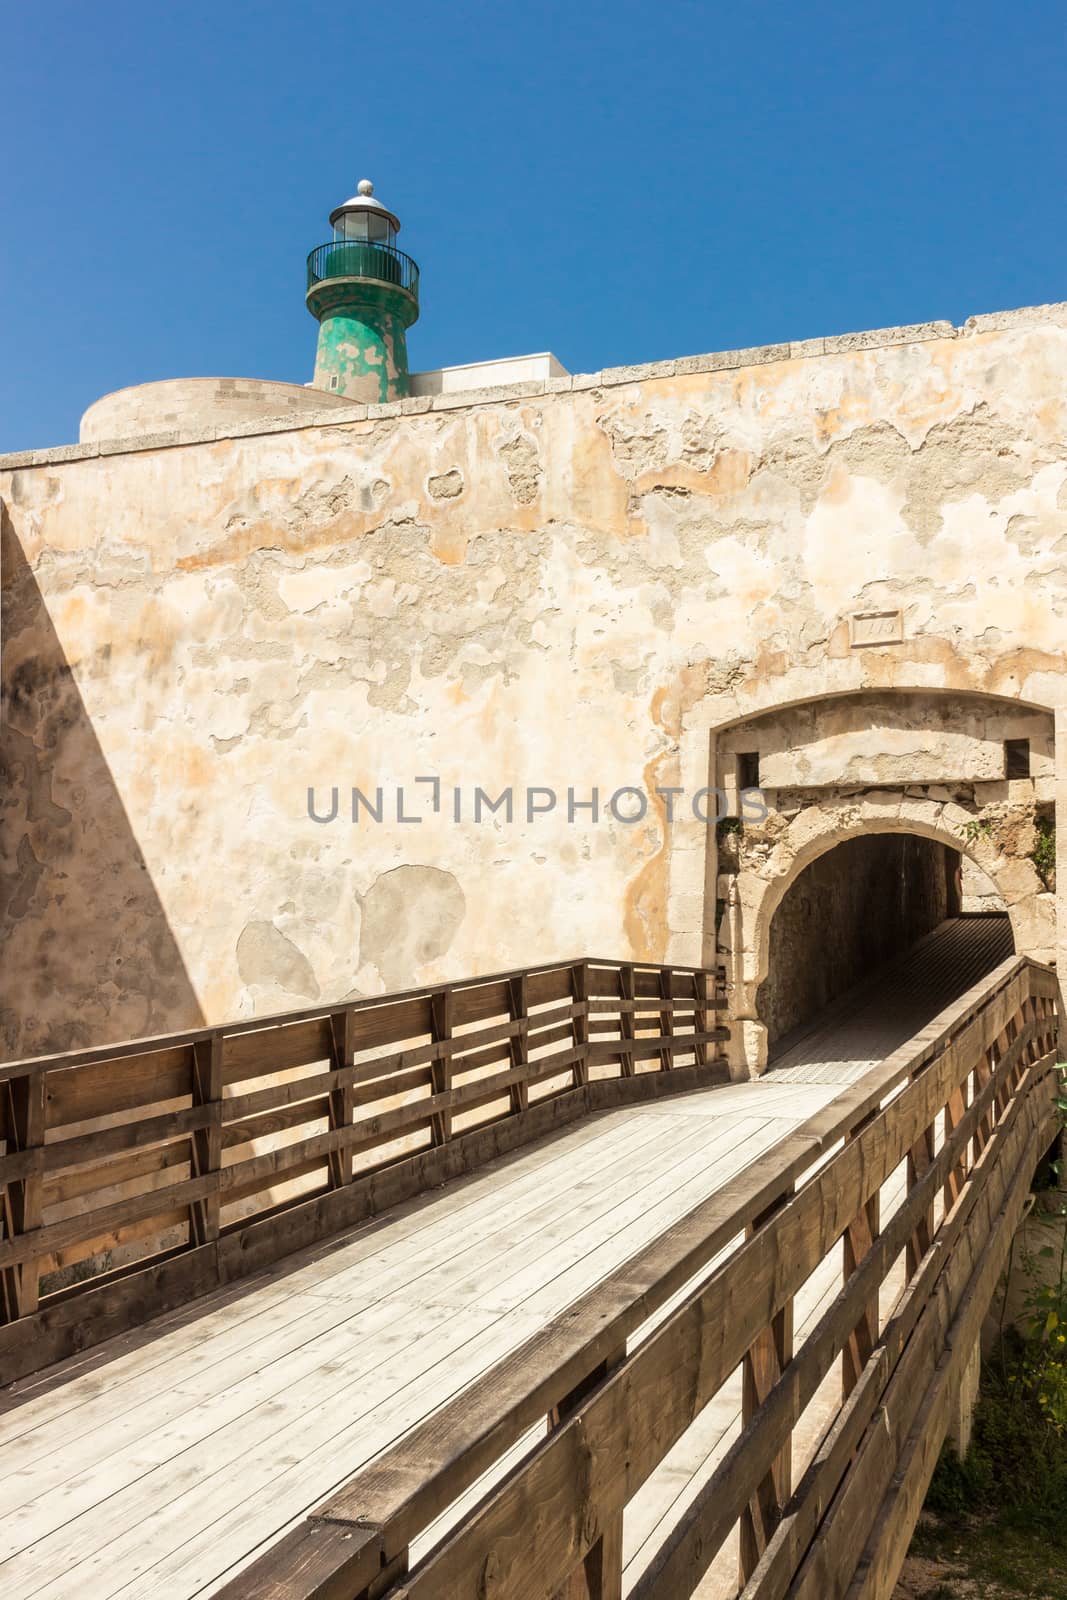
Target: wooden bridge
column 502, row 1289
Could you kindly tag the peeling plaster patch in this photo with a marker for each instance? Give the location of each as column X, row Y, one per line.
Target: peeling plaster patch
column 523, row 467
column 306, row 590
column 265, row 955
column 410, row 917
column 30, row 871
column 445, row 485
column 639, row 445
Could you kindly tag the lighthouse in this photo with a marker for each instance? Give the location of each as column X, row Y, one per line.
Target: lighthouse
column 364, row 293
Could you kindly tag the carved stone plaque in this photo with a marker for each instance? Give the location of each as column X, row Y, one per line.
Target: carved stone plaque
column 875, row 627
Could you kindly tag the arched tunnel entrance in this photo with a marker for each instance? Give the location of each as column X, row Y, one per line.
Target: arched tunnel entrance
column 891, row 926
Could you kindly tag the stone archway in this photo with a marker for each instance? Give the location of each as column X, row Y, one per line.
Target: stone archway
column 757, row 891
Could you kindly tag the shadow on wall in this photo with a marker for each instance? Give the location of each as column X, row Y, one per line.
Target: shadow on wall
column 86, row 951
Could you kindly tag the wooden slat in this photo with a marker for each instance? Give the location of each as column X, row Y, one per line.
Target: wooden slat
column 78, row 1094
column 86, row 1149
column 272, row 1049
column 64, row 1187
column 235, row 1134
column 54, row 1236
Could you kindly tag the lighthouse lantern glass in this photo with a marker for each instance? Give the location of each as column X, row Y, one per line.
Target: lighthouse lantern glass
column 366, row 226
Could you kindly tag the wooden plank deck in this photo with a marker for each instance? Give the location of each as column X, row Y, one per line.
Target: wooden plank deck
column 163, row 1461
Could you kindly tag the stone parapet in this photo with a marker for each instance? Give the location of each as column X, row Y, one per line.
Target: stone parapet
column 335, row 412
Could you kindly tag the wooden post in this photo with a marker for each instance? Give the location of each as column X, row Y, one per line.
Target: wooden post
column 859, row 1236
column 441, row 1007
column 764, row 1363
column 580, row 992
column 954, row 1111
column 1032, row 1050
column 1004, row 1042
column 627, row 1027
column 599, row 1576
column 342, row 1100
column 207, row 1142
column 920, row 1160
column 982, row 1073
column 666, row 1018
column 519, row 1008
column 23, row 1196
column 700, row 1016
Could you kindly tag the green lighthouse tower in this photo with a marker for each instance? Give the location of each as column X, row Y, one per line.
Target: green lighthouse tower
column 364, row 292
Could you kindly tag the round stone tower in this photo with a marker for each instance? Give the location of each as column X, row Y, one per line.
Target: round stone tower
column 364, row 293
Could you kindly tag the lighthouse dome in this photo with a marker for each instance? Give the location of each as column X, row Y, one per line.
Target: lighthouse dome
column 364, row 217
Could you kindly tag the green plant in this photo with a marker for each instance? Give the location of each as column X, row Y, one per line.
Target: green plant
column 1015, row 1471
column 727, row 825
column 977, row 828
column 1043, row 854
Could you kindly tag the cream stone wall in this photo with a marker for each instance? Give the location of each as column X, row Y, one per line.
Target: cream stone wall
column 580, row 582
column 174, row 405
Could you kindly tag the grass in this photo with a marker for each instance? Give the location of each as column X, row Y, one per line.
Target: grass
column 995, row 1523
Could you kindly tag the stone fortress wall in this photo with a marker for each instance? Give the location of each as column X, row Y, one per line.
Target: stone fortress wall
column 844, row 556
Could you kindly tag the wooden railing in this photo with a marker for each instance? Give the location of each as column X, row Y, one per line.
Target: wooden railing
column 136, row 1176
column 950, row 1128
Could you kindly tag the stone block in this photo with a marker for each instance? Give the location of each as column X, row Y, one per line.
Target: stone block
column 637, row 374
column 46, row 458
column 497, row 395
column 1018, row 880
column 685, row 910
column 1033, row 922
column 1054, row 314
column 955, row 817
column 801, row 349
column 721, row 360
column 881, row 807
column 685, row 949
column 874, row 338
column 143, row 441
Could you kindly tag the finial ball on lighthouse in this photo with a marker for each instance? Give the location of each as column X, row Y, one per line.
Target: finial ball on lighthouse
column 364, row 186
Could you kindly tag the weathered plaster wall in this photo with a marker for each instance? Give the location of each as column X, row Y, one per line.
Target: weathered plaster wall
column 579, row 582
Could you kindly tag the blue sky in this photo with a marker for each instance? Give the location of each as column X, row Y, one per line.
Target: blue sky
column 617, row 182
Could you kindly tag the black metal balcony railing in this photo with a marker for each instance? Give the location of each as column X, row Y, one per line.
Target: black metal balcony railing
column 347, row 258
